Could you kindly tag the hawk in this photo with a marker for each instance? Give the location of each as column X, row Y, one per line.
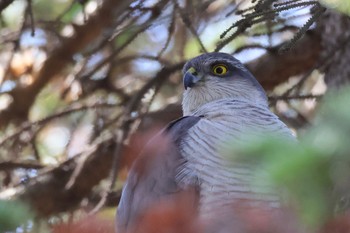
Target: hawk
column 222, row 101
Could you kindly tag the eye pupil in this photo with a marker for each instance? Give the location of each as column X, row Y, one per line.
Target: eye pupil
column 219, row 70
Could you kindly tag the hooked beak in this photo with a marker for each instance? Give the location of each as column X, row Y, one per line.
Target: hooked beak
column 190, row 78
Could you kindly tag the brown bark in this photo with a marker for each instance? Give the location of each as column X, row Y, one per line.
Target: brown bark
column 275, row 68
column 4, row 4
column 334, row 28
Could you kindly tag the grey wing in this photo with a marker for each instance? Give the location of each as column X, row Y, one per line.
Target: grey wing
column 153, row 174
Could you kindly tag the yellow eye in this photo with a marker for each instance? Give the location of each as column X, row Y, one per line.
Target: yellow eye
column 219, row 69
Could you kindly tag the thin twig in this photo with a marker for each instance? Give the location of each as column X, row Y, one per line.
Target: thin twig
column 171, row 29
column 295, row 97
column 319, row 65
column 118, row 50
column 188, row 23
column 29, row 125
column 10, row 165
column 302, row 30
column 35, row 147
column 223, row 43
column 31, row 17
column 262, row 12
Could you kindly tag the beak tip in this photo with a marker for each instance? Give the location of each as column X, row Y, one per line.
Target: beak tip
column 189, row 80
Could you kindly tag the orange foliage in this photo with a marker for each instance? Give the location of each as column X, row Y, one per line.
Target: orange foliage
column 341, row 224
column 137, row 143
column 176, row 215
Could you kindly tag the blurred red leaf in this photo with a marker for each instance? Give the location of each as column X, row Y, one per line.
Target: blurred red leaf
column 173, row 215
column 136, row 145
column 341, row 224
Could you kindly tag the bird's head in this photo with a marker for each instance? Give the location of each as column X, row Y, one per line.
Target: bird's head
column 215, row 76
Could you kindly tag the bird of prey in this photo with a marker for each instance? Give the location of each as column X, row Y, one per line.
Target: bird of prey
column 222, row 100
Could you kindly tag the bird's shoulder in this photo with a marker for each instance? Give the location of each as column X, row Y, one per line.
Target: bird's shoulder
column 152, row 176
column 178, row 128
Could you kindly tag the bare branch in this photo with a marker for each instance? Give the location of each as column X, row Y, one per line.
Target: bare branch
column 10, row 165
column 295, row 97
column 31, row 17
column 29, row 125
column 4, row 4
column 274, row 68
column 23, row 97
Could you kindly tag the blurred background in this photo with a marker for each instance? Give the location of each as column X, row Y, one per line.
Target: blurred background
column 84, row 83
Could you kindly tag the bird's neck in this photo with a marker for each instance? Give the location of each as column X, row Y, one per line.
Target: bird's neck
column 192, row 102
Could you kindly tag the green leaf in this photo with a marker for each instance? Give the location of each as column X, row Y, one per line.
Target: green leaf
column 339, row 5
column 13, row 214
column 72, row 13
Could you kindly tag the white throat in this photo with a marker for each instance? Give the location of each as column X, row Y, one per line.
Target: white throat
column 195, row 97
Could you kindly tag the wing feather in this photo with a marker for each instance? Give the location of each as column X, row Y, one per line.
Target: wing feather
column 153, row 174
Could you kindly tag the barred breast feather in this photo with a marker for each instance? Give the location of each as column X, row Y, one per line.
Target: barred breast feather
column 223, row 182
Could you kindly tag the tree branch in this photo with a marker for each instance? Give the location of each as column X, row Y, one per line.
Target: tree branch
column 275, row 68
column 47, row 194
column 6, row 166
column 61, row 56
column 62, row 188
column 4, row 4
